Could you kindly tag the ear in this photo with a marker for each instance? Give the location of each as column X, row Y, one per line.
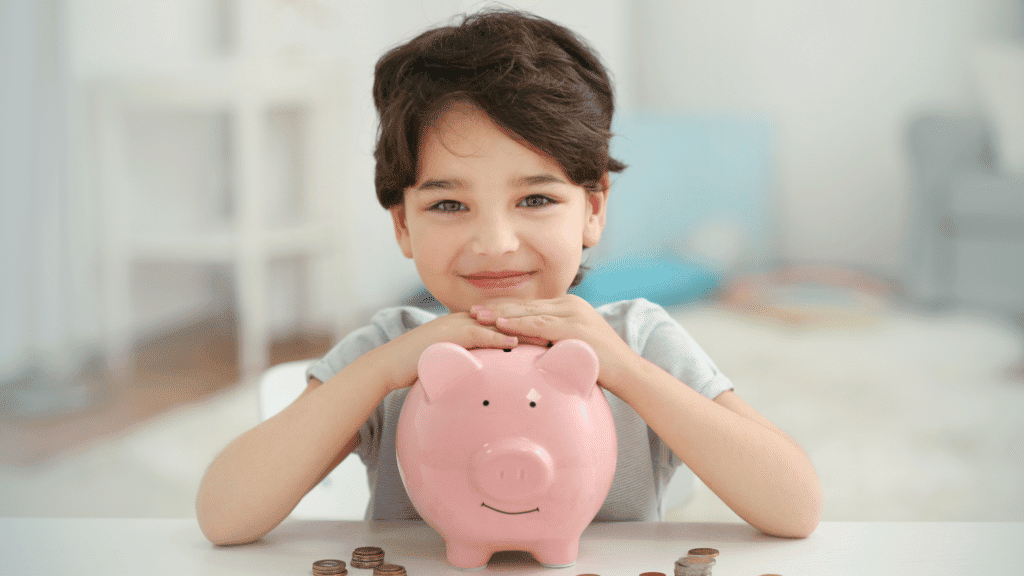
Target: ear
column 401, row 229
column 597, row 208
column 444, row 365
column 574, row 363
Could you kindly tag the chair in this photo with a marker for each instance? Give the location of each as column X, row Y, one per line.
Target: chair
column 966, row 242
column 344, row 493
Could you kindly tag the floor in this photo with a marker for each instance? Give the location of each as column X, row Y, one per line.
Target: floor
column 178, row 368
column 906, row 416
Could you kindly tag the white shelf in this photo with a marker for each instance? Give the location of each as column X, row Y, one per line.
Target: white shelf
column 225, row 85
column 250, row 233
column 220, row 245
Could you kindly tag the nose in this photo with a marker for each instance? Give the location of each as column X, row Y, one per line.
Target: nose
column 512, row 469
column 494, row 236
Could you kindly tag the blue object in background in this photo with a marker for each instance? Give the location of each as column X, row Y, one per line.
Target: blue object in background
column 685, row 174
column 665, row 279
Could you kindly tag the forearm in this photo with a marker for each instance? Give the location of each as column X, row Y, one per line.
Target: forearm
column 256, row 481
column 759, row 472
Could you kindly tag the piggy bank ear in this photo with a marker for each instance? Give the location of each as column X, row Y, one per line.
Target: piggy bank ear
column 576, row 364
column 443, row 365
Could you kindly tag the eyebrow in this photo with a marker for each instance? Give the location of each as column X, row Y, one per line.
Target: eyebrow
column 538, row 179
column 460, row 184
column 442, row 184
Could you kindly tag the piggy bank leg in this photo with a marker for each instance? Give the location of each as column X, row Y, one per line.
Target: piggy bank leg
column 466, row 556
column 557, row 553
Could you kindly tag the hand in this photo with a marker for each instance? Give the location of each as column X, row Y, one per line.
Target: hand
column 403, row 353
column 543, row 321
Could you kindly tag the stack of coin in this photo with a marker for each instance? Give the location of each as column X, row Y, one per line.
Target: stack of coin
column 367, row 557
column 389, row 570
column 694, row 566
column 329, row 568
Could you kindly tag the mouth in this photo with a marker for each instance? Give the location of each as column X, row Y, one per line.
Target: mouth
column 501, row 280
column 484, row 504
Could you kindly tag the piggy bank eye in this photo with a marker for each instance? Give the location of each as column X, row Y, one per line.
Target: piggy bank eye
column 533, row 396
column 487, row 402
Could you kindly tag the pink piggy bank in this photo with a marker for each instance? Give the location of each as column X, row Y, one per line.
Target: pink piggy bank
column 507, row 450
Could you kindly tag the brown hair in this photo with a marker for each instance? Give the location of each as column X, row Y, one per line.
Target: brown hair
column 531, row 76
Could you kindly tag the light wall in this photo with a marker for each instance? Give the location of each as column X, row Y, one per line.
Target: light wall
column 840, row 80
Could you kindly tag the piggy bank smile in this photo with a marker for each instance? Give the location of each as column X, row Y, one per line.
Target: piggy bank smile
column 484, row 504
column 488, row 438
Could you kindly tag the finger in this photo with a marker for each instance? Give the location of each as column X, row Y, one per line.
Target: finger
column 483, row 316
column 486, row 338
column 491, row 311
column 486, row 314
column 543, row 328
column 535, row 341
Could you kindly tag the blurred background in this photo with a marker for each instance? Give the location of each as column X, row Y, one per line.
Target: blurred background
column 828, row 195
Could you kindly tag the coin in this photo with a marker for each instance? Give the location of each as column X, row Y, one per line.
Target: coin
column 367, row 557
column 652, row 574
column 693, row 565
column 695, row 561
column 389, row 570
column 703, row 552
column 329, row 567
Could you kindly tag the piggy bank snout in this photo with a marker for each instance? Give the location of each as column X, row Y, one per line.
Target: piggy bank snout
column 512, row 469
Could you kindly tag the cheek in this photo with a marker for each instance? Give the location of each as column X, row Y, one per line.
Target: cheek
column 433, row 248
column 564, row 249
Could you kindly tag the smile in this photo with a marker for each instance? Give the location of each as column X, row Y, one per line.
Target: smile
column 498, row 280
column 484, row 504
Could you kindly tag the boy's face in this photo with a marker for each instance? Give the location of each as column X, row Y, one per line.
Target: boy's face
column 491, row 217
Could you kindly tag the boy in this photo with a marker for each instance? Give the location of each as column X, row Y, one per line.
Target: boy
column 493, row 160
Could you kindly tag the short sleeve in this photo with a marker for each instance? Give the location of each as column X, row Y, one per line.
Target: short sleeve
column 653, row 333
column 352, row 346
column 692, row 367
column 386, row 325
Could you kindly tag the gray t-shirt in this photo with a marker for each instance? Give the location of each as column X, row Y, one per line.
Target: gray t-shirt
column 645, row 463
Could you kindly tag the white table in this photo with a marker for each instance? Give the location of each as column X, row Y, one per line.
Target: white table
column 97, row 546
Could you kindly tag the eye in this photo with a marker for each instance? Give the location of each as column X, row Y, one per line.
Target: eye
column 533, row 404
column 535, row 201
column 447, row 206
column 487, row 402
